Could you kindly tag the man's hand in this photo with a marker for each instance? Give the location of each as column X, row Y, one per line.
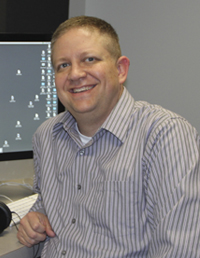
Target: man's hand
column 34, row 228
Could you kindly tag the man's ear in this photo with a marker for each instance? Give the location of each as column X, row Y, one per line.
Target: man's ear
column 123, row 66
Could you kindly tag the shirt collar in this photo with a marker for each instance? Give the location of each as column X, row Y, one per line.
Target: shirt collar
column 118, row 122
column 63, row 120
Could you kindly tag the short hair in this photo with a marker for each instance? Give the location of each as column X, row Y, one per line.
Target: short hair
column 89, row 22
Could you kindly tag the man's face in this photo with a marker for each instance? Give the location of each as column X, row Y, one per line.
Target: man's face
column 86, row 76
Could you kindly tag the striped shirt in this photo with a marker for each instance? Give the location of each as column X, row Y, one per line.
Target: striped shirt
column 131, row 191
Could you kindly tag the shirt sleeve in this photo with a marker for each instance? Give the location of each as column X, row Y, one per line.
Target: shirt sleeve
column 171, row 185
column 38, row 205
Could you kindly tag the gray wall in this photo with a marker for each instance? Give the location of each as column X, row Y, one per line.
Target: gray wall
column 162, row 40
column 76, row 7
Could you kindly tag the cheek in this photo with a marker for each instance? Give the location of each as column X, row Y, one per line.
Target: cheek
column 108, row 75
column 59, row 82
column 112, row 78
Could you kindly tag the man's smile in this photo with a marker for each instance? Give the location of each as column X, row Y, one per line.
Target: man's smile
column 82, row 89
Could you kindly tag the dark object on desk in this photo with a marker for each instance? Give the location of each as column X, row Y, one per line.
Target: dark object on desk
column 5, row 216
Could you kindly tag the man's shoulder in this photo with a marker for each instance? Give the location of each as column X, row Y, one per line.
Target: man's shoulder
column 152, row 117
column 154, row 110
column 48, row 125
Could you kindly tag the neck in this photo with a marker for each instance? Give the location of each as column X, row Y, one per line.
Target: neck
column 89, row 122
column 87, row 127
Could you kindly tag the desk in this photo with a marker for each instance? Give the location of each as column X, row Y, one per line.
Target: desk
column 20, row 172
column 11, row 248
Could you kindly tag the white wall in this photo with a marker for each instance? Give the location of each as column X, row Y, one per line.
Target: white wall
column 162, row 40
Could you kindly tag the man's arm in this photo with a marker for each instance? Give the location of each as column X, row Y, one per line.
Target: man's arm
column 172, row 191
column 35, row 226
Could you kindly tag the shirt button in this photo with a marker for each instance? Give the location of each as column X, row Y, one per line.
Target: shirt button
column 63, row 252
column 79, row 187
column 73, row 221
column 82, row 152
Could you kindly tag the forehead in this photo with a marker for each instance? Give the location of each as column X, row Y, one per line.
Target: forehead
column 79, row 40
column 84, row 33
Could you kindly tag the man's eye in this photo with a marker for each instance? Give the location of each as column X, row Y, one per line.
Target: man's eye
column 90, row 59
column 64, row 65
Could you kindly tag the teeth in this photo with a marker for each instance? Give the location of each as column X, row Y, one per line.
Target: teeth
column 83, row 89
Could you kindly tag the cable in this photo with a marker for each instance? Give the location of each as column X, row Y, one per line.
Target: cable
column 13, row 212
column 6, row 197
column 17, row 184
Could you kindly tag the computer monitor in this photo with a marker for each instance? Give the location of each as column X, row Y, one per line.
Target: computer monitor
column 27, row 92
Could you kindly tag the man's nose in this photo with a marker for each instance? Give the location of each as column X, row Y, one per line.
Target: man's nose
column 76, row 72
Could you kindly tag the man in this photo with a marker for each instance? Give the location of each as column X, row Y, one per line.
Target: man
column 115, row 177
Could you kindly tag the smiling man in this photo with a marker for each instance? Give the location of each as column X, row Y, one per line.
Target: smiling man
column 115, row 177
column 88, row 78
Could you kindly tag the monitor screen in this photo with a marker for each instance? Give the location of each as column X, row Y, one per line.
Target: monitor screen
column 27, row 92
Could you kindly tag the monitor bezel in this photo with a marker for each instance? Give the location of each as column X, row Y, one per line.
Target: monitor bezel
column 29, row 37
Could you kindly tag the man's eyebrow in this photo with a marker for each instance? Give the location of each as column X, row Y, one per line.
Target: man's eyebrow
column 61, row 59
column 88, row 52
